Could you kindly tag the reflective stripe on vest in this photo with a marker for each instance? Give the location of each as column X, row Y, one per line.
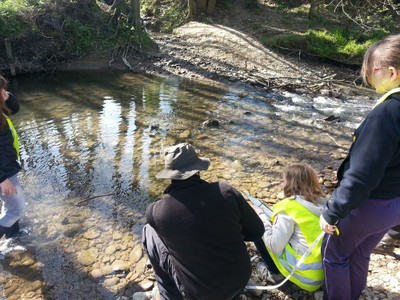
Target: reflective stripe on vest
column 14, row 134
column 387, row 95
column 309, row 275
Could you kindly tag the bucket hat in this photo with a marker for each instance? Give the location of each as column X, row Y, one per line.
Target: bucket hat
column 182, row 162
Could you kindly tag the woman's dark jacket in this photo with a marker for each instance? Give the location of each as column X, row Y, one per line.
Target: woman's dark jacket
column 204, row 226
column 9, row 165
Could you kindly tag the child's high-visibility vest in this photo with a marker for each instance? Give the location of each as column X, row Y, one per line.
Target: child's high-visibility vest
column 310, row 275
column 14, row 134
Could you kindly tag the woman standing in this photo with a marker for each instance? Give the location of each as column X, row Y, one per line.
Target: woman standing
column 11, row 195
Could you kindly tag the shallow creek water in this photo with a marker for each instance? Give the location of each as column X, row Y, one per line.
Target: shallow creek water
column 90, row 147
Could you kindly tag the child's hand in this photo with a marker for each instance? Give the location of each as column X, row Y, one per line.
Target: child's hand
column 328, row 228
column 7, row 188
column 257, row 209
column 4, row 95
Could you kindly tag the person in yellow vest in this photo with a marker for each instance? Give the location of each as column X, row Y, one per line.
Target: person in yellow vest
column 294, row 227
column 11, row 194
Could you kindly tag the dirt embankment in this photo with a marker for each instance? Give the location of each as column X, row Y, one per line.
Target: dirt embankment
column 221, row 54
column 230, row 52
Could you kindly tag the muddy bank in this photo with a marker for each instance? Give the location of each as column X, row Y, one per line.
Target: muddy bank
column 222, row 55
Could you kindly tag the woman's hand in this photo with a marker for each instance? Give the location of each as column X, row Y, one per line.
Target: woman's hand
column 7, row 188
column 328, row 228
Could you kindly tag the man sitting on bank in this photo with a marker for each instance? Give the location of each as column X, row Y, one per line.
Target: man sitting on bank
column 195, row 235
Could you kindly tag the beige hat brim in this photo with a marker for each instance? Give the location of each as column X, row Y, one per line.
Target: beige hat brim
column 202, row 164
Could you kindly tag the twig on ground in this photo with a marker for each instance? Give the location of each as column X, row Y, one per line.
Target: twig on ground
column 94, row 197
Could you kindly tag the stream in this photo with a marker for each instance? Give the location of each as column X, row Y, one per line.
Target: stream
column 91, row 144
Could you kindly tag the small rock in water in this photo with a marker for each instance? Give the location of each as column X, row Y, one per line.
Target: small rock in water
column 185, row 134
column 211, row 123
column 332, row 118
column 141, row 296
column 319, row 295
column 154, row 126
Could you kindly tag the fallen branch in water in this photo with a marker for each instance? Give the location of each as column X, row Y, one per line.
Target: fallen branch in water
column 94, row 197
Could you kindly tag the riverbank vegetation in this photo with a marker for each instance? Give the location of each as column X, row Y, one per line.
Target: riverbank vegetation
column 42, row 33
column 337, row 30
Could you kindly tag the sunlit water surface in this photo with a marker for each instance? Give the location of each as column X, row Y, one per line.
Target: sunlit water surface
column 90, row 148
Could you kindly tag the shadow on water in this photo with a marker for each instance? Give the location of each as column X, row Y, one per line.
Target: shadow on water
column 90, row 147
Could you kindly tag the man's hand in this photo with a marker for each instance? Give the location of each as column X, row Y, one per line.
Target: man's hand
column 328, row 228
column 7, row 188
column 4, row 94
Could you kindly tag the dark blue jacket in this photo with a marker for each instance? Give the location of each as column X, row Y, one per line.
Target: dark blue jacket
column 204, row 226
column 372, row 166
column 9, row 165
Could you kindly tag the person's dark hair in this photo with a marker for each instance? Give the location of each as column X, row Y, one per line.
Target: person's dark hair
column 3, row 106
column 301, row 179
column 382, row 54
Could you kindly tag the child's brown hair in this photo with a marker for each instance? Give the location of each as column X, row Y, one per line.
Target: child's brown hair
column 3, row 107
column 382, row 54
column 301, row 179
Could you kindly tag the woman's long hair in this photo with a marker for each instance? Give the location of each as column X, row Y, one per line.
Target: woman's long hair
column 3, row 106
column 301, row 179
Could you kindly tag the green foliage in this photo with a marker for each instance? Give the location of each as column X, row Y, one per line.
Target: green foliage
column 12, row 23
column 149, row 7
column 146, row 42
column 169, row 14
column 336, row 44
column 125, row 35
column 173, row 16
column 290, row 41
column 368, row 16
column 80, row 35
column 256, row 26
column 208, row 20
column 288, row 4
column 45, row 32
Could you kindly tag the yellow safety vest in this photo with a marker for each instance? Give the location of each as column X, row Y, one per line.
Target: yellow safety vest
column 14, row 134
column 310, row 275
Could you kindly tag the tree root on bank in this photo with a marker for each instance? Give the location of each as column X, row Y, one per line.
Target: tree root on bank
column 125, row 53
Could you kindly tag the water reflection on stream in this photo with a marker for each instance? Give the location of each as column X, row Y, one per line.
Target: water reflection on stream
column 91, row 147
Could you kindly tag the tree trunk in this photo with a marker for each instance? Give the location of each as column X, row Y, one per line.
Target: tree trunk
column 211, row 7
column 137, row 21
column 191, row 8
column 202, row 5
